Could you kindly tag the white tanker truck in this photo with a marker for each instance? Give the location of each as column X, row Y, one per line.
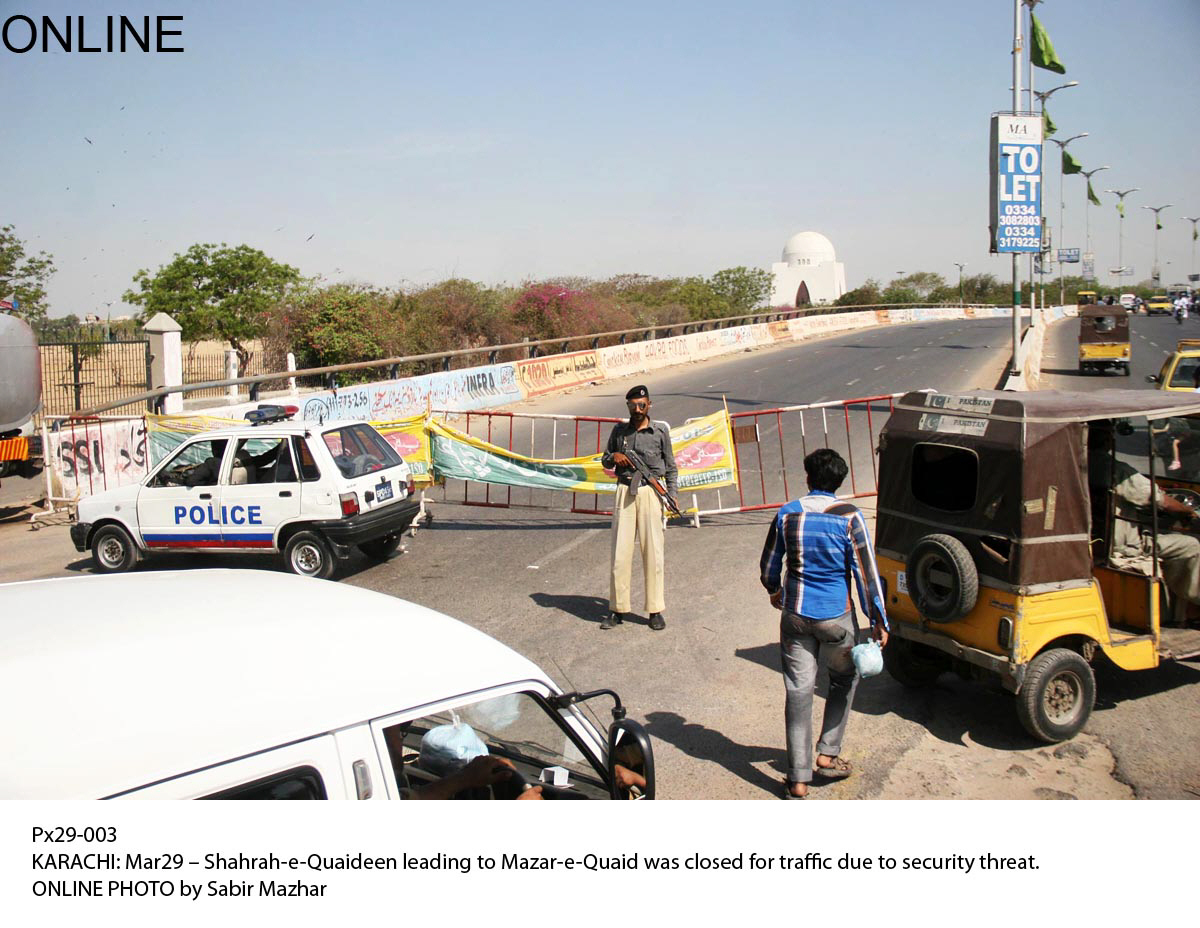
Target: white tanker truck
column 20, row 392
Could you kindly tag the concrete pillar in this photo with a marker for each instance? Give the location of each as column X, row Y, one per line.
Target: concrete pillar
column 166, row 359
column 231, row 371
column 291, row 366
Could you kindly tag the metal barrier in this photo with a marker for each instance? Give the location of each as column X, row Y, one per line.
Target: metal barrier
column 850, row 427
column 518, row 432
column 92, row 454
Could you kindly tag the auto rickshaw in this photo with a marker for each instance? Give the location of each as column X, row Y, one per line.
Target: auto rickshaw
column 1103, row 338
column 996, row 535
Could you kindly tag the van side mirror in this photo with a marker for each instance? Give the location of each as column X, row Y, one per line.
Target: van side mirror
column 1152, row 378
column 630, row 761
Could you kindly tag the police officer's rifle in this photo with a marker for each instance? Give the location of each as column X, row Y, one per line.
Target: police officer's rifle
column 653, row 482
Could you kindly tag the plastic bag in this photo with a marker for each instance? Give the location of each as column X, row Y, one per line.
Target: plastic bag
column 446, row 749
column 868, row 658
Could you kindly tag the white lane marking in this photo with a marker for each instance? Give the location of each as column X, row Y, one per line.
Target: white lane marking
column 881, row 367
column 565, row 549
column 1155, row 344
column 853, row 382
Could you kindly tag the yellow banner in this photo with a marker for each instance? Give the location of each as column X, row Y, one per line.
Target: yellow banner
column 703, row 454
column 410, row 440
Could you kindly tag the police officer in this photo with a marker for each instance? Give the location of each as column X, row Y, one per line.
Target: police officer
column 637, row 509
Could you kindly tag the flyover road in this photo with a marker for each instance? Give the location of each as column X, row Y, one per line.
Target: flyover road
column 1149, row 720
column 709, row 686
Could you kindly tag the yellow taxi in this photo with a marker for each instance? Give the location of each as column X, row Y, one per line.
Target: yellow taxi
column 1179, row 370
column 1159, row 303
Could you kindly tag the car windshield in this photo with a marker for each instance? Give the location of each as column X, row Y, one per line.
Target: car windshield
column 358, row 449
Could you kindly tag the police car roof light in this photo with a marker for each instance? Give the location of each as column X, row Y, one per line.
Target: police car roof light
column 267, row 413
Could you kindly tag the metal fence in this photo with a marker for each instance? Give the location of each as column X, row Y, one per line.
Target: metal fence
column 80, row 374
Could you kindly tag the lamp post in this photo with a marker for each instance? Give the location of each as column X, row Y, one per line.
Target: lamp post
column 960, row 265
column 1192, row 264
column 1087, row 202
column 1062, row 146
column 1154, row 272
column 1042, row 96
column 1121, row 195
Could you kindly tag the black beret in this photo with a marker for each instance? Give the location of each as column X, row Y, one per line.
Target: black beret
column 637, row 393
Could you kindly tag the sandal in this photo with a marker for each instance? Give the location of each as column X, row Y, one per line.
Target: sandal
column 838, row 769
column 787, row 790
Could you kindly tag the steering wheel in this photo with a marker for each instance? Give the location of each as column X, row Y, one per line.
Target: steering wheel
column 1189, row 498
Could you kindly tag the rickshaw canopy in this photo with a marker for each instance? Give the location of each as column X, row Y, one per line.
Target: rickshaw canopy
column 1006, row 474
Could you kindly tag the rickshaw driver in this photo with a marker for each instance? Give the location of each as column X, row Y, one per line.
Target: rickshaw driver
column 1179, row 553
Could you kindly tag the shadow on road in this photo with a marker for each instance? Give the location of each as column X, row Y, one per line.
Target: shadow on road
column 1115, row 686
column 703, row 743
column 949, row 709
column 588, row 608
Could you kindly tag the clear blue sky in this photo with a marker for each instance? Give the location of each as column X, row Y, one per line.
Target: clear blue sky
column 497, row 142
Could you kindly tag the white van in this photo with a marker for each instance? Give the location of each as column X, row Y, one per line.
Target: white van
column 247, row 684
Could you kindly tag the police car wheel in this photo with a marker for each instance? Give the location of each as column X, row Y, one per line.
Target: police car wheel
column 113, row 551
column 308, row 555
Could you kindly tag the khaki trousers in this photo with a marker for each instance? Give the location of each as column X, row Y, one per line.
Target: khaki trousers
column 640, row 514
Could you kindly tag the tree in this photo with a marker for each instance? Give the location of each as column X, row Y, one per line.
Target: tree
column 23, row 277
column 743, row 289
column 216, row 291
column 866, row 295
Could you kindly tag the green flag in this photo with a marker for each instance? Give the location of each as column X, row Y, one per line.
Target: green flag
column 1121, row 208
column 1069, row 164
column 1157, row 224
column 1041, row 50
column 1092, row 194
column 1193, row 232
column 1048, row 126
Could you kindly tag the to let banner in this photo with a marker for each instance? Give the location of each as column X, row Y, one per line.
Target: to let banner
column 1015, row 219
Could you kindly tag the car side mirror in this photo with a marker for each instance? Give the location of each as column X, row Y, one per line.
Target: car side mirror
column 630, row 761
column 1152, row 378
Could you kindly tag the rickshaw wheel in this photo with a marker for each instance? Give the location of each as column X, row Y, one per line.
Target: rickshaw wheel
column 1056, row 700
column 942, row 578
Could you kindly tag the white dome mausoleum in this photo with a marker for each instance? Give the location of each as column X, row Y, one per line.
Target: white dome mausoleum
column 809, row 273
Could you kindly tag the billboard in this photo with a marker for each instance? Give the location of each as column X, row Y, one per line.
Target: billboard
column 1068, row 256
column 1089, row 266
column 1015, row 162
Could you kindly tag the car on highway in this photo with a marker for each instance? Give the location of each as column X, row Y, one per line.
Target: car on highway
column 1128, row 300
column 1158, row 304
column 247, row 684
column 995, row 537
column 312, row 493
column 1178, row 372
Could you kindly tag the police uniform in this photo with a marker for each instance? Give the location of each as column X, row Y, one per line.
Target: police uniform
column 638, row 512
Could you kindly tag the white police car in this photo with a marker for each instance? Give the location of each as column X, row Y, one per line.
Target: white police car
column 310, row 492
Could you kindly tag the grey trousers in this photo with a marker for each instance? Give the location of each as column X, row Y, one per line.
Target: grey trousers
column 802, row 642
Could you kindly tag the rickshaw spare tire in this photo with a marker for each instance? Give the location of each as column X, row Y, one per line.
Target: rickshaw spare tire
column 942, row 579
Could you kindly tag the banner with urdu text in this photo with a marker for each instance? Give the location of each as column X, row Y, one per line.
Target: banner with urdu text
column 703, row 454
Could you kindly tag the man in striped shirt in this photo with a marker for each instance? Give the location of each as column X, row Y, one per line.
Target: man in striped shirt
column 824, row 542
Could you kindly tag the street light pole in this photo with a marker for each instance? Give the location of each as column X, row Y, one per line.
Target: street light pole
column 960, row 265
column 1121, row 195
column 1087, row 202
column 1155, row 274
column 1018, row 45
column 1192, row 264
column 1042, row 96
column 1062, row 147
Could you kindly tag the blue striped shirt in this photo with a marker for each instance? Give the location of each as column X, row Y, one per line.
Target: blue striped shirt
column 824, row 542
